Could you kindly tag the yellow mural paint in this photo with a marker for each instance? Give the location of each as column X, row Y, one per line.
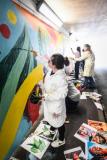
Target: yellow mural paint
column 15, row 113
column 12, row 17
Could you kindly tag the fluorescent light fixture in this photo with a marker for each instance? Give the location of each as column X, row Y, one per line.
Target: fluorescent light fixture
column 47, row 12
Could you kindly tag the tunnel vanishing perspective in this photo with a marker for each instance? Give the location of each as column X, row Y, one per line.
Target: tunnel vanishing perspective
column 33, row 34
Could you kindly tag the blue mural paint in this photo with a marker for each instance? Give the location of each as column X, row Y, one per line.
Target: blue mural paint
column 34, row 36
column 7, row 44
column 25, row 125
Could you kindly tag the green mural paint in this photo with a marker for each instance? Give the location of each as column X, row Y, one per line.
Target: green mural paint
column 24, row 73
column 12, row 80
column 7, row 63
column 31, row 64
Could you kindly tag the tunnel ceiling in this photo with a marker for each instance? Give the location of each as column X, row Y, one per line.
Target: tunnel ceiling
column 85, row 14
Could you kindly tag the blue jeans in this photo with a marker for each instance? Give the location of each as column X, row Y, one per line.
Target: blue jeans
column 89, row 82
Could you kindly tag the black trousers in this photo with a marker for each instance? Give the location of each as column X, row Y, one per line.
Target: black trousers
column 61, row 131
column 71, row 106
column 77, row 70
column 89, row 82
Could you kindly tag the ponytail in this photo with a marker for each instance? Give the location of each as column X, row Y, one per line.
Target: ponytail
column 66, row 61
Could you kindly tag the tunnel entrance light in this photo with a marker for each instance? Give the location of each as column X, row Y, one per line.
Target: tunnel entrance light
column 49, row 13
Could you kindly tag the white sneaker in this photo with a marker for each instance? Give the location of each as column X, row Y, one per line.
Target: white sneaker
column 47, row 133
column 67, row 121
column 57, row 143
column 52, row 132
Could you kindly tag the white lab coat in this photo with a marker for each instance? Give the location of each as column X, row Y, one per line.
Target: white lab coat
column 55, row 91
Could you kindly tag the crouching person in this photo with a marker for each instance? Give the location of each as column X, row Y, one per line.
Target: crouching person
column 72, row 98
column 55, row 91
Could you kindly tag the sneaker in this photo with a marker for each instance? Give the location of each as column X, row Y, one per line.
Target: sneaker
column 52, row 132
column 47, row 133
column 57, row 143
column 67, row 121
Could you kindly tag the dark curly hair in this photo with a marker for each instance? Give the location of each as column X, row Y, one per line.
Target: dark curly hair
column 58, row 60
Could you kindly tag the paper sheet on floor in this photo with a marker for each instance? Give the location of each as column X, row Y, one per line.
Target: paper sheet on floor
column 36, row 145
column 98, row 105
column 95, row 151
column 83, row 96
column 74, row 153
column 100, row 126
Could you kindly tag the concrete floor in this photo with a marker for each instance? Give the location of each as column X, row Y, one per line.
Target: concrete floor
column 101, row 80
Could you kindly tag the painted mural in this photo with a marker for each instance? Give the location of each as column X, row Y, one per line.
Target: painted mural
column 21, row 36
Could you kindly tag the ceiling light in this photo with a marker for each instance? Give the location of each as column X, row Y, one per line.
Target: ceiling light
column 49, row 13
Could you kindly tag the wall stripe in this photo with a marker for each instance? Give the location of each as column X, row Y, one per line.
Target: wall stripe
column 24, row 72
column 12, row 81
column 7, row 63
column 31, row 64
column 15, row 113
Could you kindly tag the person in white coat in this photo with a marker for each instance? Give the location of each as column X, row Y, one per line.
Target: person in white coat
column 55, row 91
column 73, row 96
column 89, row 58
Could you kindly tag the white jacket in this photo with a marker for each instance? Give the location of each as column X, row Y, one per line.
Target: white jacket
column 55, row 91
column 73, row 92
column 89, row 63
